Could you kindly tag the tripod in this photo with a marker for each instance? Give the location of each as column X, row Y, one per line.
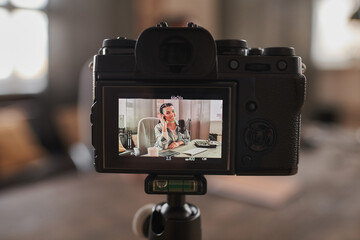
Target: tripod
column 174, row 219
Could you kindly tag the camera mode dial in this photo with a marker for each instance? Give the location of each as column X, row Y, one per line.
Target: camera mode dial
column 231, row 47
column 118, row 46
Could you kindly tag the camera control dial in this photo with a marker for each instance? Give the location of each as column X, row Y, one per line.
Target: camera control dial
column 118, row 46
column 122, row 42
column 279, row 51
column 259, row 136
column 232, row 47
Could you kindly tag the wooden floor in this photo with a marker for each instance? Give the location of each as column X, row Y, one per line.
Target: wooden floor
column 101, row 206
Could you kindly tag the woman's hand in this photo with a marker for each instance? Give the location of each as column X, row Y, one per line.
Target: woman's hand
column 164, row 126
column 163, row 121
column 175, row 144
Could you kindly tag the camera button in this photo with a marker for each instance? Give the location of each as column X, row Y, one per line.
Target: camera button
column 162, row 25
column 233, row 64
column 281, row 65
column 251, row 106
column 192, row 25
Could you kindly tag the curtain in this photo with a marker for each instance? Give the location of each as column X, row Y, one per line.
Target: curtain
column 199, row 113
column 137, row 109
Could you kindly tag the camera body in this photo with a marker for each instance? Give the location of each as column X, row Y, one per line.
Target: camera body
column 253, row 97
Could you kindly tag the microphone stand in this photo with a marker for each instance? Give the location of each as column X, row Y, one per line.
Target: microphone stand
column 188, row 124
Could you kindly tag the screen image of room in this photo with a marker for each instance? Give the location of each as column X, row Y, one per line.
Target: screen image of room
column 201, row 120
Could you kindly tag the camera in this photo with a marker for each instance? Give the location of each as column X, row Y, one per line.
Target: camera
column 177, row 102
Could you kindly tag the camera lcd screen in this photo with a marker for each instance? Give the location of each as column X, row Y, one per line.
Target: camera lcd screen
column 172, row 129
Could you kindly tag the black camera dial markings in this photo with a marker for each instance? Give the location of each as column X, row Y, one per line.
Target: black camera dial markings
column 259, row 136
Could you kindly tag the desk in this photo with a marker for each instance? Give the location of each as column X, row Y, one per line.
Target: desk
column 209, row 153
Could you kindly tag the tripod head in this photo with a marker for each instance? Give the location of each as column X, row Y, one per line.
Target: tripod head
column 174, row 219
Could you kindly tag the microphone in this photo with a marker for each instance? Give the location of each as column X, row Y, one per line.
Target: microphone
column 188, row 122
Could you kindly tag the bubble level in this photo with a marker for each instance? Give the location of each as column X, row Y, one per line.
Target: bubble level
column 175, row 184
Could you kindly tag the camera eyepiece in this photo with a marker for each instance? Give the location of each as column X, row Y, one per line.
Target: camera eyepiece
column 167, row 52
column 175, row 53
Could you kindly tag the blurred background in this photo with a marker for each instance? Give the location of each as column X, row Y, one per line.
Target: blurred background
column 48, row 188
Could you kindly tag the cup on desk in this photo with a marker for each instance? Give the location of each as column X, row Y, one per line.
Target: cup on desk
column 153, row 151
column 136, row 151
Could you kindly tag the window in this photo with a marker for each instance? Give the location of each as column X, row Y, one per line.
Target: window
column 24, row 46
column 336, row 38
column 216, row 110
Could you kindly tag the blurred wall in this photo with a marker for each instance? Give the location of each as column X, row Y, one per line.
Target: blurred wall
column 205, row 13
column 269, row 23
column 338, row 91
column 77, row 29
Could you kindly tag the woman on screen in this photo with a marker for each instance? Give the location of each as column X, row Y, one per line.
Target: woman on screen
column 168, row 133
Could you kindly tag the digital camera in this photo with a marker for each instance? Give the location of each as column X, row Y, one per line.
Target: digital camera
column 177, row 102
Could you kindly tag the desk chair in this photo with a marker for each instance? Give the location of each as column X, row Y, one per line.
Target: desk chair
column 146, row 134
